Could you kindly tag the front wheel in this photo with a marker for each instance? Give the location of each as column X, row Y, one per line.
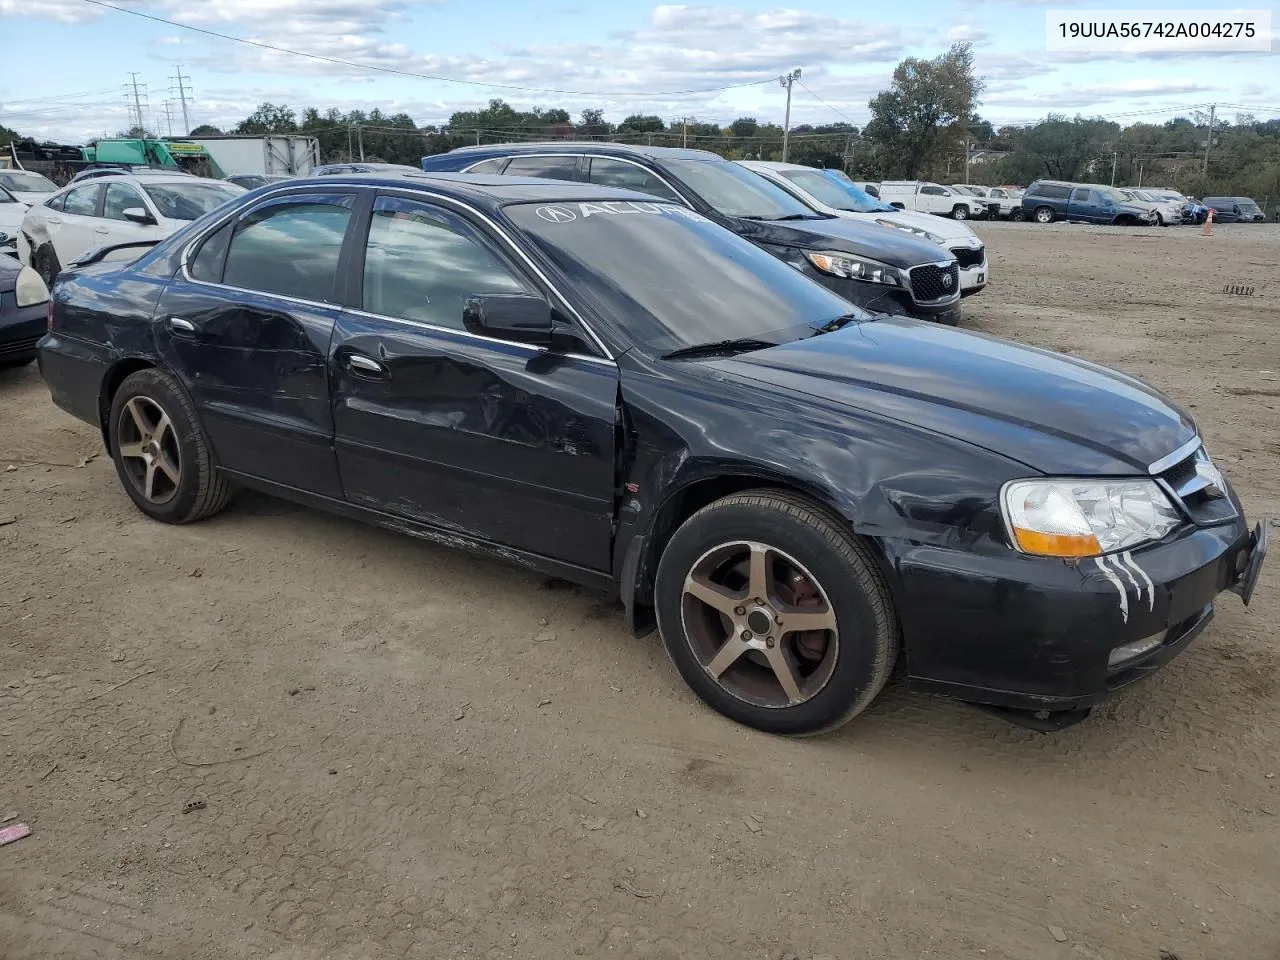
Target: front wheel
column 960, row 212
column 161, row 453
column 1044, row 214
column 1159, row 220
column 774, row 614
column 45, row 262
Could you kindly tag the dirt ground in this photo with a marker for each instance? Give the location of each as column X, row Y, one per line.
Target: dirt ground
column 407, row 752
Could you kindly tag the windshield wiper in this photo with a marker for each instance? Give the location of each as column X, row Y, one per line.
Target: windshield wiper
column 831, row 326
column 740, row 345
column 791, row 216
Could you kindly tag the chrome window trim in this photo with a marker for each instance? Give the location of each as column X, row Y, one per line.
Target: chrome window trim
column 1184, row 451
column 414, row 192
column 653, row 173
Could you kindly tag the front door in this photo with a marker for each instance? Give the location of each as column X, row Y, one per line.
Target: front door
column 247, row 328
column 508, row 442
column 115, row 226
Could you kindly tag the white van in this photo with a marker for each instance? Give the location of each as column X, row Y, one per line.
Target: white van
column 925, row 197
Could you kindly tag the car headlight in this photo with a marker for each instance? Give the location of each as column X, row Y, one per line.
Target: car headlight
column 914, row 231
column 1085, row 518
column 30, row 289
column 855, row 268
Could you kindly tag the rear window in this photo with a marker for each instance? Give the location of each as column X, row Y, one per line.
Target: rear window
column 1051, row 190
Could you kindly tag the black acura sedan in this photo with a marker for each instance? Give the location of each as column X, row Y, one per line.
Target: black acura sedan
column 615, row 390
column 874, row 266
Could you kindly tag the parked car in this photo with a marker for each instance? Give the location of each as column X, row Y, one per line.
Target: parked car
column 12, row 210
column 1235, row 210
column 252, row 181
column 330, row 169
column 1195, row 212
column 1186, row 207
column 1165, row 212
column 115, row 169
column 26, row 186
column 111, row 209
column 24, row 300
column 870, row 265
column 925, row 197
column 1001, row 201
column 1049, row 200
column 839, row 196
column 612, row 388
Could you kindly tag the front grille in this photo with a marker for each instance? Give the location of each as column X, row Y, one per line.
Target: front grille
column 1194, row 493
column 969, row 257
column 17, row 348
column 931, row 282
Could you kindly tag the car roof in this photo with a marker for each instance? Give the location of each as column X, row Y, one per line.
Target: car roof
column 140, row 178
column 493, row 190
column 589, row 146
column 774, row 165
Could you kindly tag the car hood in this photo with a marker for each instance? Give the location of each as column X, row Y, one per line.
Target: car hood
column 1056, row 414
column 31, row 197
column 942, row 228
column 841, row 234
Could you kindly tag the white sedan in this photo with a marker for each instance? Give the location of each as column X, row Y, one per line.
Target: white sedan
column 27, row 187
column 12, row 210
column 831, row 192
column 113, row 209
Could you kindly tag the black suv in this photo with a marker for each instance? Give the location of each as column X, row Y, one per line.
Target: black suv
column 875, row 267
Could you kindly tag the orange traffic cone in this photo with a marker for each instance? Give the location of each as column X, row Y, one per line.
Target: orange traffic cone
column 1207, row 229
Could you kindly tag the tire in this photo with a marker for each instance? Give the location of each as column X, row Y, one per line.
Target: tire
column 1015, row 215
column 1044, row 215
column 45, row 261
column 1160, row 220
column 813, row 558
column 960, row 212
column 147, row 399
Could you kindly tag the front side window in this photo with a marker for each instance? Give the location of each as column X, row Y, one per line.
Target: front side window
column 488, row 166
column 207, row 264
column 190, row 201
column 1082, row 195
column 549, row 168
column 933, row 191
column 735, row 191
column 83, row 201
column 669, row 277
column 609, row 172
column 120, row 197
column 423, row 263
column 290, row 248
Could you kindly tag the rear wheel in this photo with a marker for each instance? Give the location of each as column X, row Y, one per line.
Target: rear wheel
column 161, row 453
column 774, row 614
column 1015, row 215
column 1044, row 214
column 960, row 212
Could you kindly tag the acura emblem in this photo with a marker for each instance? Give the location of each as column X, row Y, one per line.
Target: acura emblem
column 556, row 214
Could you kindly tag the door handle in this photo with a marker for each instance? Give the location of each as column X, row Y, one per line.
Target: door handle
column 178, row 325
column 54, row 220
column 365, row 366
column 102, row 230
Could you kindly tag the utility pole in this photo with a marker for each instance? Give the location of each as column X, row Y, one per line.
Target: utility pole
column 168, row 116
column 182, row 92
column 1208, row 141
column 1140, row 162
column 785, row 82
column 966, row 159
column 1114, row 157
column 137, row 101
column 685, row 123
column 360, row 141
column 350, row 155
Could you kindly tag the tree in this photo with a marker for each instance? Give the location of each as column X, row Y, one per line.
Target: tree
column 744, row 127
column 268, row 118
column 1065, row 148
column 641, row 123
column 594, row 124
column 205, row 130
column 923, row 113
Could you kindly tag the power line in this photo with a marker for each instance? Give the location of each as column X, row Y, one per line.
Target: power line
column 422, row 76
column 824, row 102
column 61, row 96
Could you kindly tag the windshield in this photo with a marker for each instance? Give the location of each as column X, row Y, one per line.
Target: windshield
column 1144, row 196
column 671, row 278
column 24, row 182
column 189, row 201
column 735, row 191
column 840, row 194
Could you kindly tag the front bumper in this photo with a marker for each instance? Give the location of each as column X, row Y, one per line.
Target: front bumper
column 973, row 279
column 20, row 329
column 1038, row 634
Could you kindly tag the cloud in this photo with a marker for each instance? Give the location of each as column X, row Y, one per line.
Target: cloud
column 1099, row 95
column 967, row 33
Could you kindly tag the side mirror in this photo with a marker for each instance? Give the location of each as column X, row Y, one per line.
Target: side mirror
column 518, row 317
column 138, row 215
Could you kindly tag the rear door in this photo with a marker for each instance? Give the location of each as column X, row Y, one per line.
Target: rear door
column 246, row 326
column 72, row 229
column 504, row 441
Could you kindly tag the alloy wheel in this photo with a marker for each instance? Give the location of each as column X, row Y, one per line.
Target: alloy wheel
column 149, row 449
column 760, row 624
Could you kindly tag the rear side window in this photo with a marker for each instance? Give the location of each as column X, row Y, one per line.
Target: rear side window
column 933, row 191
column 619, row 173
column 1082, row 195
column 83, row 201
column 1052, row 190
column 488, row 166
column 290, row 248
column 551, row 168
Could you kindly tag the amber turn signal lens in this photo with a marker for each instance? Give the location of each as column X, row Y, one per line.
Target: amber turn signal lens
column 1056, row 544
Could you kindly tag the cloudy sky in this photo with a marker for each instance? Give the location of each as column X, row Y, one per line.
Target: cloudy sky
column 67, row 61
